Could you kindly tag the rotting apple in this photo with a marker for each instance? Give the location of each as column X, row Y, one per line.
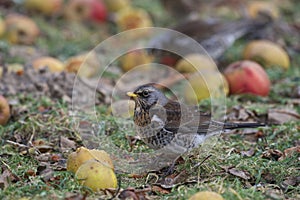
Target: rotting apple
column 53, row 64
column 84, row 65
column 131, row 18
column 247, row 77
column 82, row 154
column 4, row 111
column 96, row 176
column 206, row 195
column 135, row 58
column 2, row 27
column 116, row 5
column 79, row 10
column 48, row 7
column 195, row 62
column 255, row 7
column 21, row 29
column 266, row 53
column 205, row 84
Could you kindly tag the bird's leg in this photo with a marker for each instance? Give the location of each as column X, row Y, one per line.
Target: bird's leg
column 170, row 168
column 200, row 163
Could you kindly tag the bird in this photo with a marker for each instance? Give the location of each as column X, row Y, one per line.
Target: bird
column 171, row 126
column 214, row 35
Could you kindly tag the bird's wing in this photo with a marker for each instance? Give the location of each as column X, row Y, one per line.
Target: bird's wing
column 186, row 119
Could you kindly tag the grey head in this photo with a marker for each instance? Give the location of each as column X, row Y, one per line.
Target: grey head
column 147, row 96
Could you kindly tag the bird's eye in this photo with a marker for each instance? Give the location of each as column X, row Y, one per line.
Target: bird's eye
column 145, row 93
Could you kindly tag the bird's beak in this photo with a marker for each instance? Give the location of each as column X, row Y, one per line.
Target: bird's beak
column 131, row 94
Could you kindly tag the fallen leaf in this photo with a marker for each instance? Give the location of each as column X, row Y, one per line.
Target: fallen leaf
column 67, row 144
column 7, row 177
column 282, row 116
column 160, row 190
column 74, row 196
column 290, row 151
column 248, row 153
column 272, row 154
column 45, row 171
column 291, row 181
column 134, row 194
column 240, row 173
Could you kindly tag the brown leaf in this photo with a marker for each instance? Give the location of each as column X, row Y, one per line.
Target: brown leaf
column 291, row 181
column 67, row 144
column 134, row 194
column 45, row 171
column 248, row 153
column 272, row 154
column 290, row 151
column 160, row 190
column 128, row 194
column 240, row 173
column 74, row 196
column 282, row 116
column 7, row 177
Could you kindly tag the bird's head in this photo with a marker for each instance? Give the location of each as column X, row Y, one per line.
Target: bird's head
column 146, row 96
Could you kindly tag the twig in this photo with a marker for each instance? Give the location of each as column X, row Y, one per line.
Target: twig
column 17, row 144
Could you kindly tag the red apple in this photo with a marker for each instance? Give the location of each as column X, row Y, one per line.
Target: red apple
column 78, row 10
column 98, row 12
column 4, row 111
column 247, row 77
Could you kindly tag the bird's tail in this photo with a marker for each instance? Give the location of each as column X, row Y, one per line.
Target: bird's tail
column 243, row 125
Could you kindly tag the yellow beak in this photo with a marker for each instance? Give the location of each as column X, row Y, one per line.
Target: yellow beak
column 131, row 94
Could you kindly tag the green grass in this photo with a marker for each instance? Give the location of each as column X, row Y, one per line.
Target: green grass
column 48, row 120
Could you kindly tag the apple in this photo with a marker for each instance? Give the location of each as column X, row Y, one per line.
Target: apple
column 79, row 10
column 255, row 7
column 134, row 58
column 84, row 65
column 116, row 5
column 195, row 62
column 82, row 154
column 206, row 195
column 131, row 18
column 4, row 111
column 247, row 77
column 53, row 64
column 2, row 27
column 48, row 7
column 267, row 53
column 205, row 84
column 96, row 176
column 21, row 29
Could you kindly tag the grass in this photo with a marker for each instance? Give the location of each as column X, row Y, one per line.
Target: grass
column 47, row 120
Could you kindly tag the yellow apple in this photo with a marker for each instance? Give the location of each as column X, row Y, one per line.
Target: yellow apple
column 206, row 195
column 85, row 65
column 131, row 18
column 195, row 62
column 116, row 5
column 21, row 29
column 82, row 154
column 2, row 27
column 48, row 7
column 267, row 53
column 4, row 111
column 134, row 58
column 53, row 64
column 207, row 84
column 96, row 176
column 255, row 7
